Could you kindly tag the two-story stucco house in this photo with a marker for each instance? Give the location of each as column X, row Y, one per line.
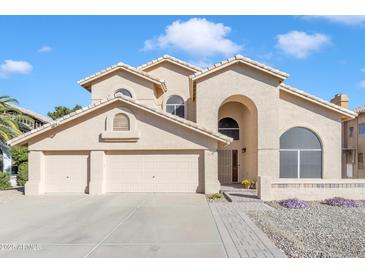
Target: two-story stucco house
column 169, row 126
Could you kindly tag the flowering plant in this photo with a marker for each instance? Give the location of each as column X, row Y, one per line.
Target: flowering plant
column 248, row 183
column 342, row 202
column 293, row 203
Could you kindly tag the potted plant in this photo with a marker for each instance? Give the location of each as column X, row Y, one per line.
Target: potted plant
column 248, row 184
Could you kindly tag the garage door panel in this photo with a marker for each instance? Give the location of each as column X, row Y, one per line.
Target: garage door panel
column 66, row 172
column 144, row 172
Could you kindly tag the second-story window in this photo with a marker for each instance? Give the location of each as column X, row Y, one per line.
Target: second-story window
column 175, row 105
column 362, row 130
column 123, row 92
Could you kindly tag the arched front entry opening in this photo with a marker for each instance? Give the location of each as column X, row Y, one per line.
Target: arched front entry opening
column 237, row 118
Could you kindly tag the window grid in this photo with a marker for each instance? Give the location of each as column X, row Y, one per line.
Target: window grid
column 298, row 156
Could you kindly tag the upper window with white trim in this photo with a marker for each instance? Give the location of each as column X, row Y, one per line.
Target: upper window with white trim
column 175, row 105
column 300, row 154
column 121, row 122
column 229, row 127
column 123, row 92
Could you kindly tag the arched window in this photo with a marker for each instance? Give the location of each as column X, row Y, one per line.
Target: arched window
column 300, row 154
column 121, row 122
column 229, row 127
column 123, row 92
column 175, row 105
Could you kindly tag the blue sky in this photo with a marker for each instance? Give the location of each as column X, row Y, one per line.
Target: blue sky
column 42, row 58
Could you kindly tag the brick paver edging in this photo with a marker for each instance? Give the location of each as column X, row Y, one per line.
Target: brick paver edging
column 240, row 236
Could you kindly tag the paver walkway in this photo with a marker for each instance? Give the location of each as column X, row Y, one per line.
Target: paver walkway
column 241, row 237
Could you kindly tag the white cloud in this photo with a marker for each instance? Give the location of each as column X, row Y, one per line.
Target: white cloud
column 197, row 36
column 10, row 67
column 300, row 44
column 45, row 49
column 362, row 84
column 351, row 20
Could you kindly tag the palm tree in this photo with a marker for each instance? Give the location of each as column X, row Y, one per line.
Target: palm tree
column 11, row 120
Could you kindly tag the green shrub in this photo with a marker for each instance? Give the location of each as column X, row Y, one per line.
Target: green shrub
column 215, row 196
column 22, row 177
column 19, row 155
column 4, row 180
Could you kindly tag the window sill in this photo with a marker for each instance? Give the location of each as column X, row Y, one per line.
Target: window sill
column 129, row 136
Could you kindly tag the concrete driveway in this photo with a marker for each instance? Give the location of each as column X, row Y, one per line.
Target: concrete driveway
column 111, row 225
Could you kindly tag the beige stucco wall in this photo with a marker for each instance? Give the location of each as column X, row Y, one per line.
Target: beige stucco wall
column 258, row 91
column 141, row 89
column 326, row 124
column 177, row 82
column 310, row 189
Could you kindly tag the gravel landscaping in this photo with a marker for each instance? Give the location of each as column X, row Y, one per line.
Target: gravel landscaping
column 319, row 230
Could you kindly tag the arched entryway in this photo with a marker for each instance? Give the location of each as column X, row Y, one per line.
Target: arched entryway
column 237, row 118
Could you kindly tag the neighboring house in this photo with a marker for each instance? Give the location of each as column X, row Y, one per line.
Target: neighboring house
column 354, row 145
column 25, row 126
column 168, row 126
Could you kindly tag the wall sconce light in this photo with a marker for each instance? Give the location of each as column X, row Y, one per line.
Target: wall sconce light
column 243, row 150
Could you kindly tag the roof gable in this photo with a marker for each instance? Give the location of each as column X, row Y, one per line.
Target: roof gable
column 243, row 60
column 170, row 59
column 86, row 82
column 22, row 139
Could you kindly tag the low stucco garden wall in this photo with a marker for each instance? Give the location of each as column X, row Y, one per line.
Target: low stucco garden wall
column 310, row 189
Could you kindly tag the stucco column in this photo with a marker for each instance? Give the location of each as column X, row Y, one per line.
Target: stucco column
column 268, row 138
column 97, row 172
column 212, row 184
column 36, row 177
column 264, row 188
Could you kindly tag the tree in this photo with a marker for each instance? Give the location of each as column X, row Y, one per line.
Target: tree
column 19, row 155
column 11, row 119
column 62, row 111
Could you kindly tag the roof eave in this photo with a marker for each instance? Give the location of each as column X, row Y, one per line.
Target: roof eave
column 86, row 82
column 24, row 139
column 346, row 114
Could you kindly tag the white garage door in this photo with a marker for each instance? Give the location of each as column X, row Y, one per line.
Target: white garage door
column 66, row 172
column 152, row 172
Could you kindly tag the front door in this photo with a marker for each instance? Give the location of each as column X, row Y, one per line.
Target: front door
column 227, row 166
